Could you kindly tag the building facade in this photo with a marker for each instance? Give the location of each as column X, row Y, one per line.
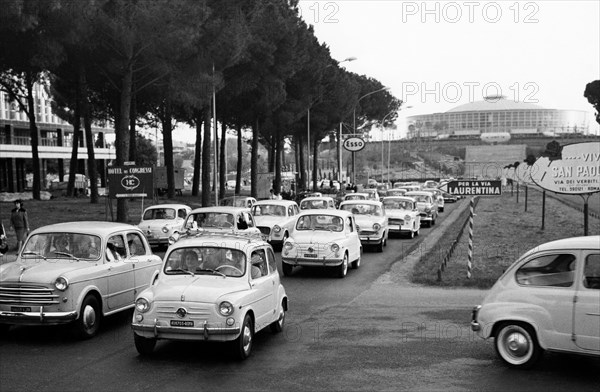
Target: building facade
column 55, row 138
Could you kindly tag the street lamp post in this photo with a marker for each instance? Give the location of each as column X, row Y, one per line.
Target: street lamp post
column 382, row 130
column 354, row 127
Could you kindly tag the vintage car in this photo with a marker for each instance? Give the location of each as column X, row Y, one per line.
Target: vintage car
column 356, row 196
column 275, row 219
column 161, row 221
column 439, row 197
column 317, row 203
column 322, row 238
column 427, row 205
column 546, row 300
column 218, row 219
column 396, row 192
column 403, row 215
column 449, row 198
column 371, row 219
column 372, row 194
column 238, row 201
column 76, row 272
column 213, row 287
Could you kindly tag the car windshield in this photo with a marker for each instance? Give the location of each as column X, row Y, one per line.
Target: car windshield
column 221, row 220
column 159, row 213
column 313, row 204
column 320, row 222
column 398, row 204
column 206, row 260
column 421, row 198
column 234, row 202
column 63, row 245
column 266, row 210
column 363, row 209
column 355, row 197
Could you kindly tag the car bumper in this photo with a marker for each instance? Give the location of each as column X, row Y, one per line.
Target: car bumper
column 371, row 240
column 475, row 326
column 316, row 262
column 399, row 229
column 204, row 332
column 39, row 317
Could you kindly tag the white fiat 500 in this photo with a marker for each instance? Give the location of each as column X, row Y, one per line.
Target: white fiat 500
column 275, row 219
column 76, row 272
column 549, row 299
column 322, row 238
column 371, row 219
column 212, row 287
column 317, row 203
column 218, row 219
column 403, row 215
column 427, row 205
column 161, row 221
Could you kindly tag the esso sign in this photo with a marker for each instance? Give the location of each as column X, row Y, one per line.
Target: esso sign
column 354, row 144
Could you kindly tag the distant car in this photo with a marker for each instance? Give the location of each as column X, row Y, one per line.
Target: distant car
column 238, row 201
column 403, row 215
column 218, row 219
column 275, row 219
column 372, row 194
column 76, row 272
column 382, row 189
column 546, row 300
column 161, row 221
column 356, row 196
column 213, row 287
column 448, row 198
column 323, row 238
column 439, row 197
column 317, row 202
column 396, row 192
column 371, row 219
column 427, row 205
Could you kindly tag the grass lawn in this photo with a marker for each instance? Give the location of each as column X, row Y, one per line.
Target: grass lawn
column 502, row 231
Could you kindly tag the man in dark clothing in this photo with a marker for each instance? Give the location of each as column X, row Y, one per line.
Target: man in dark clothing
column 20, row 223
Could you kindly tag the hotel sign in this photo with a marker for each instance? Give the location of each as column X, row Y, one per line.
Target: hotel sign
column 573, row 170
column 130, row 181
column 473, row 188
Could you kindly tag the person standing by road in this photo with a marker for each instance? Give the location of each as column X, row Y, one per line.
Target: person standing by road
column 19, row 222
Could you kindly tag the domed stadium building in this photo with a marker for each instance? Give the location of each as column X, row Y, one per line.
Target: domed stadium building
column 497, row 117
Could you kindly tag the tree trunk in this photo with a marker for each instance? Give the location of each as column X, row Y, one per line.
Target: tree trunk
column 315, row 162
column 75, row 141
column 222, row 158
column 167, row 130
column 272, row 152
column 89, row 137
column 34, row 137
column 132, row 128
column 206, row 159
column 278, row 144
column 254, row 161
column 238, row 176
column 122, row 134
column 197, row 154
column 296, row 162
column 301, row 167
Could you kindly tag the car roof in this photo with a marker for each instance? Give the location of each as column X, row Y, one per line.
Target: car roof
column 401, row 198
column 340, row 213
column 88, row 227
column 238, row 198
column 317, row 198
column 168, row 206
column 370, row 202
column 221, row 240
column 224, row 209
column 358, row 193
column 423, row 193
column 589, row 242
column 276, row 202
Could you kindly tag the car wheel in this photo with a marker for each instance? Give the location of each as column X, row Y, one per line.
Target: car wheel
column 143, row 345
column 516, row 344
column 432, row 222
column 287, row 268
column 277, row 325
column 243, row 344
column 356, row 263
column 88, row 322
column 342, row 269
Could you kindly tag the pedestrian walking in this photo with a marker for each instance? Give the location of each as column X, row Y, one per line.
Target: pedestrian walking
column 20, row 223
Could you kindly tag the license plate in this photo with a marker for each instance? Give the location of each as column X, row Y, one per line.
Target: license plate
column 20, row 309
column 310, row 255
column 182, row 323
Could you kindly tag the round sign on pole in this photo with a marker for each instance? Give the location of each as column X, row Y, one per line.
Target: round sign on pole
column 354, row 144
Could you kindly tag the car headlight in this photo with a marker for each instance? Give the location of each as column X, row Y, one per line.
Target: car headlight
column 335, row 248
column 142, row 305
column 427, row 209
column 276, row 229
column 61, row 283
column 225, row 308
column 165, row 229
column 407, row 218
column 288, row 245
column 376, row 226
column 173, row 238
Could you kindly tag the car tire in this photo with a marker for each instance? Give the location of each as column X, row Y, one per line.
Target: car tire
column 243, row 343
column 287, row 268
column 277, row 325
column 432, row 222
column 88, row 323
column 144, row 346
column 516, row 344
column 356, row 263
column 342, row 269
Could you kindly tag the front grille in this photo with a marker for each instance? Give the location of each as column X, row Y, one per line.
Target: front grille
column 367, row 232
column 27, row 294
column 196, row 312
column 396, row 222
column 264, row 230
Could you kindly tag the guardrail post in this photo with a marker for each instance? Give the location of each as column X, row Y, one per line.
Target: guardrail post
column 470, row 259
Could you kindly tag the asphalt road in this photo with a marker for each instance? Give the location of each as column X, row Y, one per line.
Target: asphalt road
column 373, row 330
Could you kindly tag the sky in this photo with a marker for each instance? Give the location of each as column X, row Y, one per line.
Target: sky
column 435, row 55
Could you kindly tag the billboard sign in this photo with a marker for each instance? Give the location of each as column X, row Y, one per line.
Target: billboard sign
column 574, row 169
column 473, row 188
column 130, row 181
column 354, row 144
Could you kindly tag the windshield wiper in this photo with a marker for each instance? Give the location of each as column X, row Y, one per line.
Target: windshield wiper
column 29, row 252
column 184, row 271
column 212, row 271
column 66, row 254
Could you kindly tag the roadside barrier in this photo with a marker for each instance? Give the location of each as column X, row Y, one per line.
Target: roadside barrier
column 455, row 242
